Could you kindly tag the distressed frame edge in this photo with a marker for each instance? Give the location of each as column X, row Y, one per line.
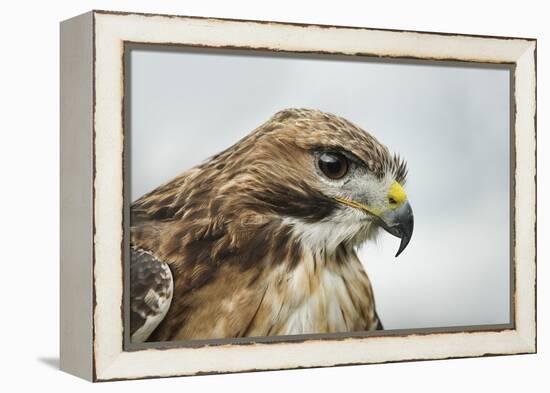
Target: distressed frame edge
column 525, row 194
column 526, row 338
column 76, row 196
column 305, row 24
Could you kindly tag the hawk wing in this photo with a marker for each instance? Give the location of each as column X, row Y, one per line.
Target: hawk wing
column 151, row 290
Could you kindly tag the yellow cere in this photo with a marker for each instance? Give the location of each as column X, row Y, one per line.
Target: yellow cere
column 396, row 195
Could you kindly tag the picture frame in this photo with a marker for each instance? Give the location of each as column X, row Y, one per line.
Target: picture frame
column 94, row 197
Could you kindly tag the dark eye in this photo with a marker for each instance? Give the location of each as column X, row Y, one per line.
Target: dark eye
column 334, row 166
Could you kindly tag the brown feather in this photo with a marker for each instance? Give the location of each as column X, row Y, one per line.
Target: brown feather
column 238, row 267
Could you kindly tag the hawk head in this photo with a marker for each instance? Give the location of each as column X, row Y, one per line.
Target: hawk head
column 332, row 182
column 328, row 180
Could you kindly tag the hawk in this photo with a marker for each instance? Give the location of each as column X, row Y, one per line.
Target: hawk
column 261, row 239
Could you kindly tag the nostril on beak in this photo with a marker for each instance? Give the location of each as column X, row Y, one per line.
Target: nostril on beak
column 396, row 195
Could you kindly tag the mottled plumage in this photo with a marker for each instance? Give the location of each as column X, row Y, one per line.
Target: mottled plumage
column 259, row 242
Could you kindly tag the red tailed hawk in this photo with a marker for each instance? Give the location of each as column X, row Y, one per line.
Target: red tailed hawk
column 261, row 239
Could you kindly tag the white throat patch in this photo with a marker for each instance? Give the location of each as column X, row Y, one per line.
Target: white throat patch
column 348, row 226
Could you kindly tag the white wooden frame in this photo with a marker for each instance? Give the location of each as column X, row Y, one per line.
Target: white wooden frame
column 92, row 202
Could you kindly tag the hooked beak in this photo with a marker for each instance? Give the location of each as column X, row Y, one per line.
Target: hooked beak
column 400, row 223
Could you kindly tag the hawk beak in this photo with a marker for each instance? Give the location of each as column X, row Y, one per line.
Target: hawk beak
column 400, row 223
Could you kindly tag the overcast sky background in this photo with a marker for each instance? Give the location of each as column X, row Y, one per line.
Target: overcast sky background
column 451, row 123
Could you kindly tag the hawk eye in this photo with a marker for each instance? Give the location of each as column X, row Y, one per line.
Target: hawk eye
column 335, row 166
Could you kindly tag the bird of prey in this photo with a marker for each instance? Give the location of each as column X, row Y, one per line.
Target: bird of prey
column 261, row 239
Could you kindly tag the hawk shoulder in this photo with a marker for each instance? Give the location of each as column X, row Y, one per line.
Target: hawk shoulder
column 151, row 290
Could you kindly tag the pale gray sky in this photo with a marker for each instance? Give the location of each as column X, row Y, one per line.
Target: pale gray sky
column 451, row 123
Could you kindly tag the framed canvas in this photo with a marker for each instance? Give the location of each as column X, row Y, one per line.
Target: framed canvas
column 238, row 195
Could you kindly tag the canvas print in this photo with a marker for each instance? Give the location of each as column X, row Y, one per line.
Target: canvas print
column 273, row 195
